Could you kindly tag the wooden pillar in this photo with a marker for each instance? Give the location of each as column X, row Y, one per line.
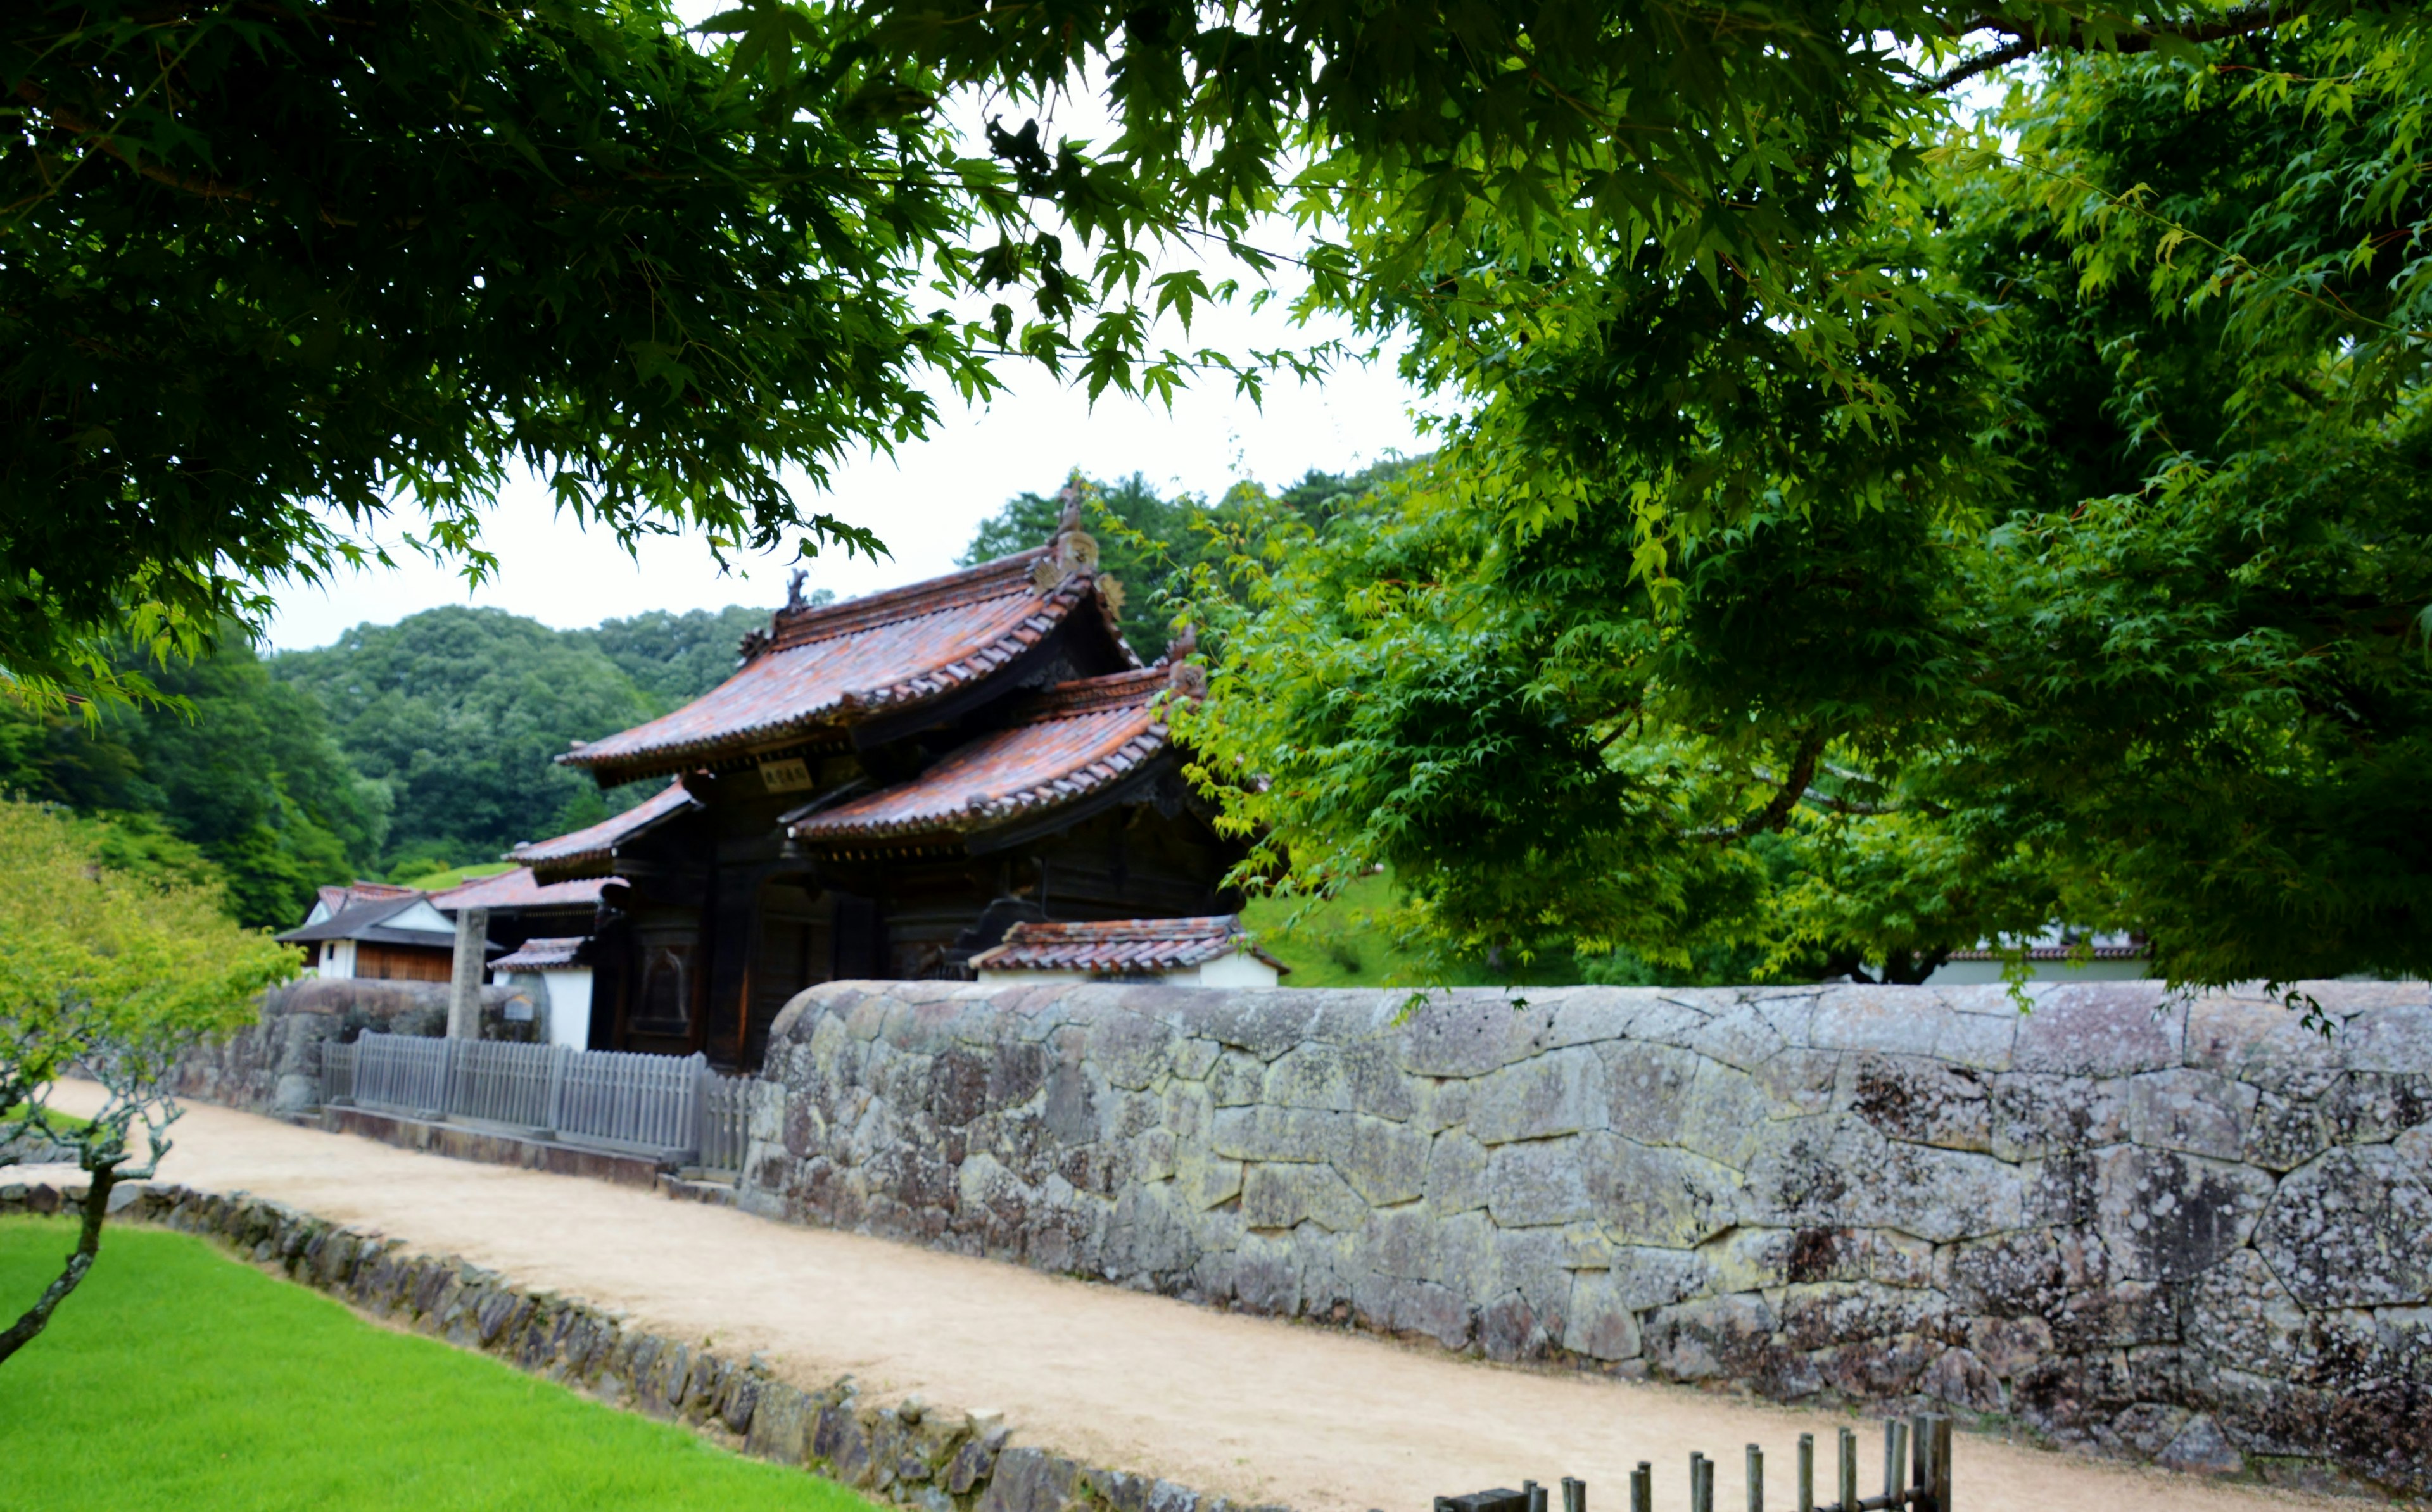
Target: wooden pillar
column 464, row 984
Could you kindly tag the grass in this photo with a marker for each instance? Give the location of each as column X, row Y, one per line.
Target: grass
column 1344, row 942
column 439, row 881
column 176, row 1377
column 62, row 1122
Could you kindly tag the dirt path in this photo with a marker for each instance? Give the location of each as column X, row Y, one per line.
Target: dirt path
column 1255, row 1408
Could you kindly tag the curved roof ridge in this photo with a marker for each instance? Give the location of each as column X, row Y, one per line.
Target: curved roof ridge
column 1082, row 696
column 1000, row 579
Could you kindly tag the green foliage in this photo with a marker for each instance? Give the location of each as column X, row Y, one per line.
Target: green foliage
column 266, row 1395
column 2092, row 589
column 1155, row 546
column 676, row 658
column 275, row 271
column 89, row 953
column 458, row 713
column 245, row 777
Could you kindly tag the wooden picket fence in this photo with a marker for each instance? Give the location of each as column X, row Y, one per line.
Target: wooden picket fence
column 1916, row 1475
column 670, row 1106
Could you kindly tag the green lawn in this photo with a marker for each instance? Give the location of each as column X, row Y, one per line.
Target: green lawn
column 178, row 1378
column 439, row 881
column 1346, row 942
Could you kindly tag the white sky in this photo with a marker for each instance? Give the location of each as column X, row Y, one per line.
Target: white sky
column 924, row 501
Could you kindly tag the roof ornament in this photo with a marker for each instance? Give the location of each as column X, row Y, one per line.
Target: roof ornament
column 1071, row 553
column 1188, row 678
column 794, row 604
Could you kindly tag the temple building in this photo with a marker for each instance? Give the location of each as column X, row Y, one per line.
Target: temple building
column 884, row 787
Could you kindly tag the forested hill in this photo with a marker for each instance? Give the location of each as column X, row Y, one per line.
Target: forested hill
column 458, row 713
column 395, row 751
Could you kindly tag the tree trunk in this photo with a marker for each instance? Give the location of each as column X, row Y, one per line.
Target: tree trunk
column 96, row 1204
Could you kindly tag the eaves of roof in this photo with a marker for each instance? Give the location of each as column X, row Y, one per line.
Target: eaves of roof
column 592, row 848
column 365, row 921
column 519, row 889
column 539, row 955
column 1075, row 740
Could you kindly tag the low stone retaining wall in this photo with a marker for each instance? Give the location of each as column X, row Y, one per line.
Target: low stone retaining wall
column 2190, row 1230
column 274, row 1065
column 926, row 1458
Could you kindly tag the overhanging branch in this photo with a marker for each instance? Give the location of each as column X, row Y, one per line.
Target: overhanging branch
column 2026, row 42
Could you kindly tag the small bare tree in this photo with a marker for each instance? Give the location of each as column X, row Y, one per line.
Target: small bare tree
column 110, row 977
column 135, row 1078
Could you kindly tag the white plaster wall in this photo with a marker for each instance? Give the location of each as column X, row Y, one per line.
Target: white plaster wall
column 1241, row 969
column 567, row 993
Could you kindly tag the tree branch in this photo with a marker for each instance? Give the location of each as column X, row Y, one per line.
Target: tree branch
column 1777, row 812
column 2026, row 43
column 97, row 1206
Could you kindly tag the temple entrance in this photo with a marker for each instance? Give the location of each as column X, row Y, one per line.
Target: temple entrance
column 792, row 951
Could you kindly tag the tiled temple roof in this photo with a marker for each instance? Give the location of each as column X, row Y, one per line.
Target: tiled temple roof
column 1121, row 947
column 339, row 900
column 535, row 955
column 838, row 663
column 590, row 849
column 519, row 888
column 1071, row 741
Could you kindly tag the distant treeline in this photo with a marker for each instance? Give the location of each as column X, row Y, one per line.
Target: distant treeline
column 404, row 750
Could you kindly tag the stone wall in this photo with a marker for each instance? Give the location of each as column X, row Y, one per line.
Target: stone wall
column 909, row 1454
column 274, row 1065
column 2189, row 1231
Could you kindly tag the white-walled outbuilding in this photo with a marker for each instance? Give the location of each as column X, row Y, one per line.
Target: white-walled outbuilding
column 1209, row 952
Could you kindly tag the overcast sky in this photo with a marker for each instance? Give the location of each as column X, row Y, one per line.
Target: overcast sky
column 923, row 502
column 926, row 499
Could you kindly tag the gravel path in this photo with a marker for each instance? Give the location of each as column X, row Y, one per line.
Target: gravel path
column 1254, row 1408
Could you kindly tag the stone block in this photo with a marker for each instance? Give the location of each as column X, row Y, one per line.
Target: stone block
column 1600, row 1324
column 2200, row 1447
column 1541, row 1182
column 2169, row 1215
column 1261, row 1024
column 1557, row 1093
column 1670, row 1199
column 1465, row 1034
column 2100, row 1029
column 1799, row 1082
column 2283, row 1133
column 1456, row 1179
column 1714, row 1338
column 1960, row 1379
column 1205, row 1181
column 1751, row 1029
column 1647, row 1090
column 2195, row 1112
column 1386, row 1162
column 1725, row 1115
column 1358, row 1078
column 2352, row 1229
column 1280, row 1197
column 1884, row 1020
column 1272, row 1133
column 1130, row 1050
column 1920, row 1100
column 1032, row 1480
column 1646, row 1278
